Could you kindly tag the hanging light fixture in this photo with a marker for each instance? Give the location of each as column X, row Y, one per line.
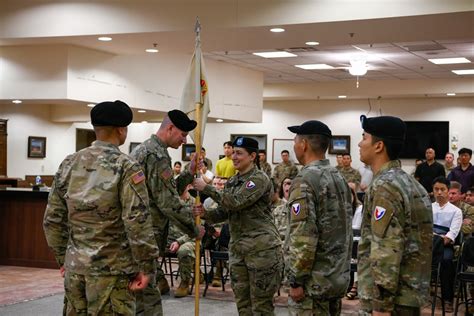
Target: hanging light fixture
column 358, row 66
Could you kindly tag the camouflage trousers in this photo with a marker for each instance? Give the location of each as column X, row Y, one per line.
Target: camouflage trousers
column 149, row 300
column 98, row 295
column 186, row 257
column 314, row 306
column 398, row 310
column 255, row 278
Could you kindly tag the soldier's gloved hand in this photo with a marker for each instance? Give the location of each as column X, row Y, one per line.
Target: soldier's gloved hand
column 199, row 184
column 174, row 247
column 297, row 294
column 139, row 282
column 202, row 232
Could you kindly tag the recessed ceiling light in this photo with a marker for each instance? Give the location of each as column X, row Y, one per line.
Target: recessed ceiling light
column 315, row 66
column 464, row 72
column 144, row 122
column 16, row 101
column 219, row 120
column 277, row 30
column 151, row 50
column 141, row 111
column 275, row 54
column 451, row 94
column 312, row 43
column 105, row 39
column 91, row 105
column 445, row 61
column 342, row 96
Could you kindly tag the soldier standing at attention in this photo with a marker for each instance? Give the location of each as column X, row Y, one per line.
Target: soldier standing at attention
column 320, row 233
column 255, row 247
column 264, row 165
column 394, row 252
column 97, row 221
column 285, row 169
column 165, row 204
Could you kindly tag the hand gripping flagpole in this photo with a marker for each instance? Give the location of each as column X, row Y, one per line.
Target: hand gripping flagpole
column 198, row 143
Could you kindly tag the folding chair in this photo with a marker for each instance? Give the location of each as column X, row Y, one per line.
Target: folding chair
column 463, row 275
column 216, row 256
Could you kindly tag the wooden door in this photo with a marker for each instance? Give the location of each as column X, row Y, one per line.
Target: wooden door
column 3, row 148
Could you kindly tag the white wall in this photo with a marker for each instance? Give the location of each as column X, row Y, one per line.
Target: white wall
column 341, row 116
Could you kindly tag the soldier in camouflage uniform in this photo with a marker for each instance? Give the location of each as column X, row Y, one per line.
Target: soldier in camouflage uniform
column 264, row 165
column 285, row 169
column 320, row 236
column 97, row 221
column 394, row 255
column 456, row 198
column 255, row 247
column 165, row 204
column 350, row 174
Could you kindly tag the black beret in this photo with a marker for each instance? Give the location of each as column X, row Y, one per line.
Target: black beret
column 465, row 151
column 246, row 142
column 311, row 128
column 110, row 113
column 386, row 127
column 181, row 120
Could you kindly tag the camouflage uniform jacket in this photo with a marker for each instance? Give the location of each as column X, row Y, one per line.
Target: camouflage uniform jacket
column 351, row 175
column 165, row 203
column 265, row 167
column 175, row 234
column 467, row 212
column 245, row 203
column 97, row 220
column 320, row 231
column 284, row 170
column 395, row 248
column 280, row 216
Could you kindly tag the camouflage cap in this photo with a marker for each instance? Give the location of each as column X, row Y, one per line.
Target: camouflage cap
column 181, row 120
column 386, row 127
column 110, row 113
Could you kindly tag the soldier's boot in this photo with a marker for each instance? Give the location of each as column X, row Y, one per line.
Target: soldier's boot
column 163, row 286
column 217, row 279
column 183, row 289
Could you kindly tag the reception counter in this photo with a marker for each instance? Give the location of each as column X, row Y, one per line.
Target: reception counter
column 22, row 241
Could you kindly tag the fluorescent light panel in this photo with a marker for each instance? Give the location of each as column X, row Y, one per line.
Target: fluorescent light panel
column 451, row 94
column 105, row 39
column 141, row 111
column 342, row 96
column 445, row 61
column 151, row 50
column 277, row 30
column 312, row 43
column 315, row 66
column 464, row 72
column 275, row 54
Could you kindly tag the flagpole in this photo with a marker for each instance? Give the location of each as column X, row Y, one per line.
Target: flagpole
column 197, row 141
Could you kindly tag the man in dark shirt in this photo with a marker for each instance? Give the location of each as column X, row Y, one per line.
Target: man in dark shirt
column 429, row 170
column 464, row 172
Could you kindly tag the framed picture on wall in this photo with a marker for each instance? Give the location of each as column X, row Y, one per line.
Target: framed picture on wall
column 340, row 144
column 36, row 147
column 186, row 151
column 282, row 144
column 260, row 138
column 132, row 146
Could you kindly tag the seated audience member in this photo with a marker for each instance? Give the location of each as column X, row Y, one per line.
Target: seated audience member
column 350, row 174
column 206, row 174
column 339, row 165
column 464, row 172
column 356, row 224
column 280, row 213
column 447, row 221
column 469, row 196
column 366, row 177
column 457, row 199
column 428, row 171
column 204, row 158
column 448, row 163
column 176, row 169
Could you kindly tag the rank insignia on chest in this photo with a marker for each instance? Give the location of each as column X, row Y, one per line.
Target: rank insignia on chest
column 296, row 208
column 379, row 212
column 138, row 177
column 250, row 185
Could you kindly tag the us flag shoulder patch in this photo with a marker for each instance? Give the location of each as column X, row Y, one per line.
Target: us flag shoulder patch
column 138, row 177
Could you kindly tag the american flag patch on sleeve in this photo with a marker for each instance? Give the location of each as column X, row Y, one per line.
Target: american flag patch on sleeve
column 138, row 177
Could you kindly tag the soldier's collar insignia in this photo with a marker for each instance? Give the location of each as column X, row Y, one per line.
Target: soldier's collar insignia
column 379, row 213
column 296, row 208
column 250, row 185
